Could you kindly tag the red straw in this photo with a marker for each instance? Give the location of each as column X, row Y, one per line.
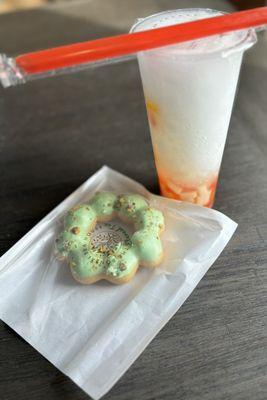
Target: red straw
column 117, row 46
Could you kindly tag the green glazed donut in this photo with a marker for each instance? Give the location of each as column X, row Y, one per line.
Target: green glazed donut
column 90, row 263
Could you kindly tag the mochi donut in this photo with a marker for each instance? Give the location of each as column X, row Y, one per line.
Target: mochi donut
column 90, row 263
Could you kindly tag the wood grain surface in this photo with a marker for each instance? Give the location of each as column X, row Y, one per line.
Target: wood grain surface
column 54, row 134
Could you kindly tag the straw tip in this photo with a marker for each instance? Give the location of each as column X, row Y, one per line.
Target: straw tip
column 10, row 75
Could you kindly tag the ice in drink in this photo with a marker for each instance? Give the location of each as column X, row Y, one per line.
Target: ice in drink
column 189, row 91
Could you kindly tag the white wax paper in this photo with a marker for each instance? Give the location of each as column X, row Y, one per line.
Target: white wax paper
column 94, row 333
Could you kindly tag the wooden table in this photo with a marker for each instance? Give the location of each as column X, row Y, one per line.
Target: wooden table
column 55, row 133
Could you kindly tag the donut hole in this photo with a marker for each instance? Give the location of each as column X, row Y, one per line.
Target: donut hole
column 109, row 234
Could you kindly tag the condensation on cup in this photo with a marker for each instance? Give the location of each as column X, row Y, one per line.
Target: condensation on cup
column 189, row 91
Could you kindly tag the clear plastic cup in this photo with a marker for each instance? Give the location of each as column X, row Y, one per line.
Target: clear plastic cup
column 189, row 91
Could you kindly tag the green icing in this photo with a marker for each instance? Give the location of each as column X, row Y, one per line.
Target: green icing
column 66, row 242
column 77, row 223
column 103, row 203
column 122, row 261
column 150, row 218
column 80, row 217
column 149, row 248
column 86, row 261
column 129, row 204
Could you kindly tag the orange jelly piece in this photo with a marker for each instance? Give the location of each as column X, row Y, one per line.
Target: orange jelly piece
column 202, row 195
column 152, row 112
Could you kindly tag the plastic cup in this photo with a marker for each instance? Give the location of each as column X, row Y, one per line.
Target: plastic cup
column 189, row 91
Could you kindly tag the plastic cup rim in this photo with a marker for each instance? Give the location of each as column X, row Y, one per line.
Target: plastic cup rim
column 250, row 38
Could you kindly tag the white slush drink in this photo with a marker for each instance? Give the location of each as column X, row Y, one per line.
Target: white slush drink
column 189, row 90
